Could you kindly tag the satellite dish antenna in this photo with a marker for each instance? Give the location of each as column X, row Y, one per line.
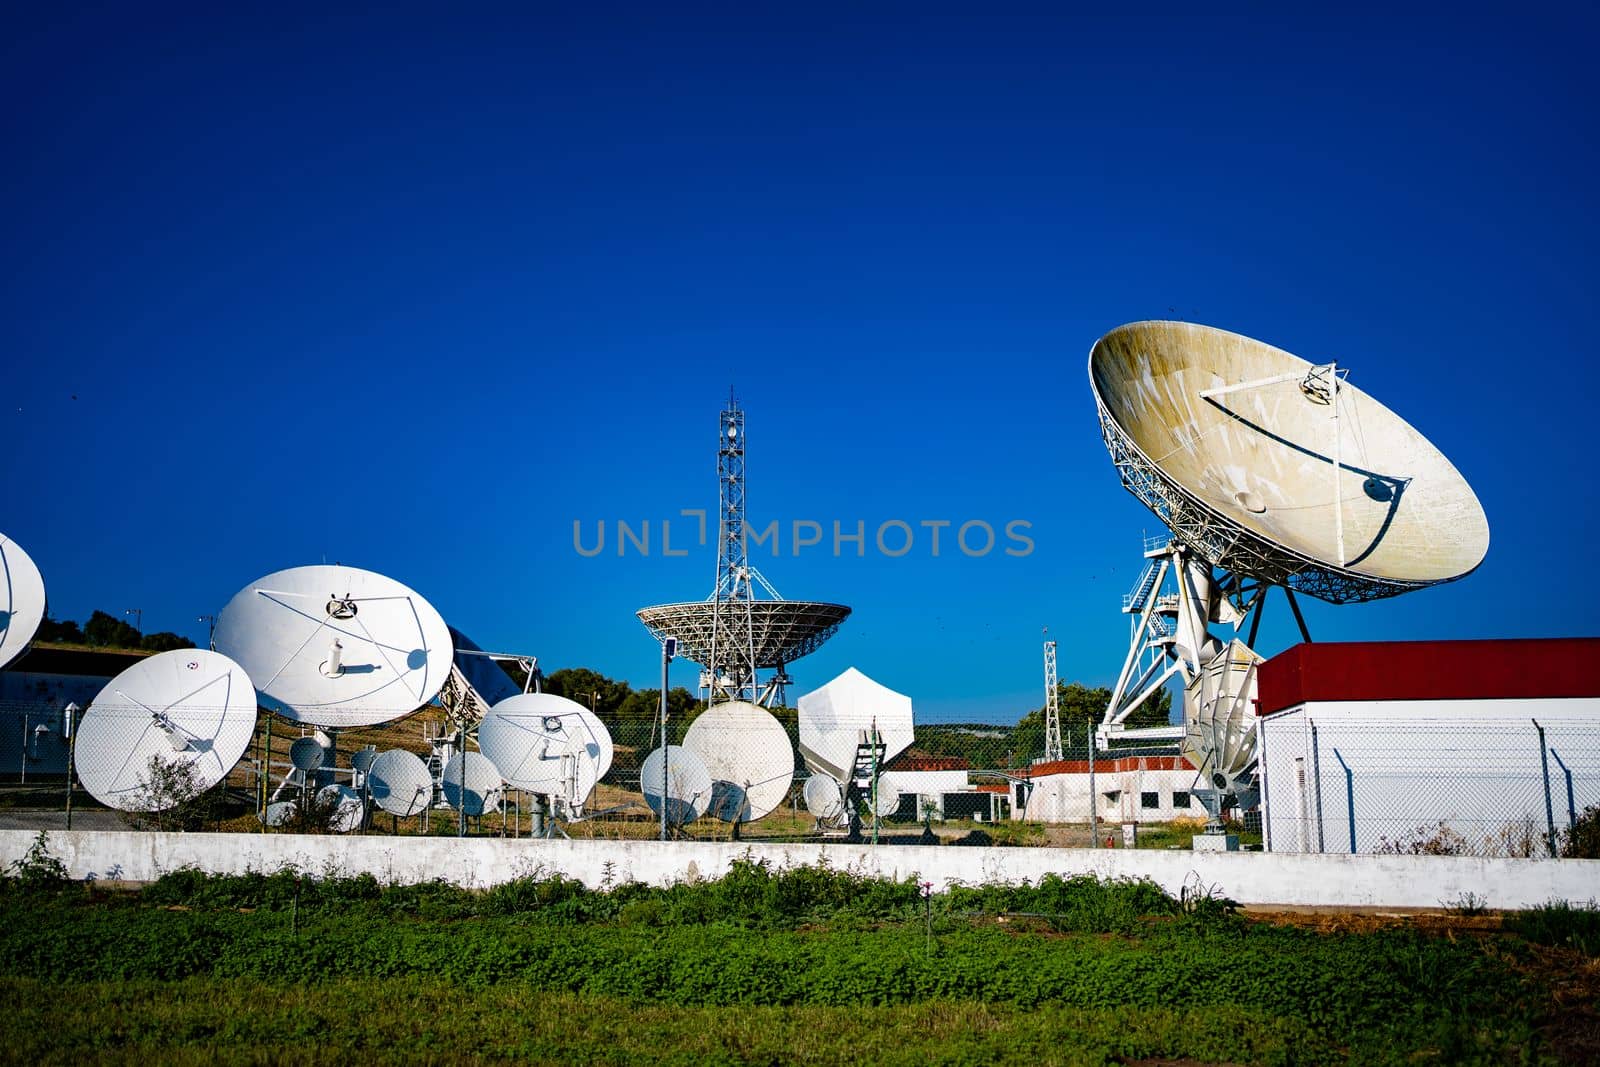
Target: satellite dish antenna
column 191, row 709
column 362, row 759
column 1272, row 471
column 336, row 646
column 836, row 719
column 688, row 784
column 22, row 600
column 748, row 755
column 886, row 802
column 306, row 754
column 348, row 810
column 547, row 745
column 400, row 783
column 483, row 785
column 278, row 813
column 824, row 798
column 1278, row 469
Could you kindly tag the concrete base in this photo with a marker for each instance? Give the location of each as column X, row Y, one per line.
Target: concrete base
column 1271, row 878
column 1216, row 842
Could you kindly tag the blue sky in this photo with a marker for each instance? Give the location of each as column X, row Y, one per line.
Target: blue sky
column 418, row 291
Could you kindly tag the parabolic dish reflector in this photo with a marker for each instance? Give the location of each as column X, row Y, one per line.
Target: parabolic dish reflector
column 192, row 709
column 687, row 784
column 547, row 745
column 836, row 719
column 783, row 630
column 1276, row 469
column 22, row 600
column 399, row 783
column 748, row 755
column 336, row 646
column 346, row 812
column 824, row 799
column 483, row 787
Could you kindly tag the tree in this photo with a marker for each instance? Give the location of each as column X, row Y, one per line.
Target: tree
column 65, row 632
column 590, row 688
column 165, row 641
column 1083, row 708
column 110, row 632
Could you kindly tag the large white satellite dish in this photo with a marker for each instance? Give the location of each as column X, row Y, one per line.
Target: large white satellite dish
column 399, row 783
column 22, row 601
column 547, row 745
column 748, row 755
column 336, row 646
column 1272, row 467
column 483, row 784
column 189, row 707
column 347, row 810
column 836, row 720
column 687, row 784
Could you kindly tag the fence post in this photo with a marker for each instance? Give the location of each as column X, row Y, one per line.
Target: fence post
column 1549, row 810
column 1261, row 776
column 1349, row 797
column 1572, row 805
column 1316, row 775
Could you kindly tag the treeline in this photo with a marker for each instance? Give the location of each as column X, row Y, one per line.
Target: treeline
column 108, row 631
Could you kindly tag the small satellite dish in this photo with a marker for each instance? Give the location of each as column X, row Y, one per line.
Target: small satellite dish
column 824, row 799
column 400, row 784
column 279, row 813
column 887, row 801
column 336, row 646
column 306, row 754
column 22, row 601
column 688, row 784
column 362, row 759
column 1277, row 469
column 748, row 755
column 836, row 719
column 483, row 783
column 547, row 745
column 348, row 811
column 191, row 709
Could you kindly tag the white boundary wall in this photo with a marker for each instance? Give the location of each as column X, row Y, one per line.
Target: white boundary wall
column 1250, row 878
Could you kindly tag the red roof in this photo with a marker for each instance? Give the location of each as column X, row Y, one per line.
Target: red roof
column 1516, row 668
column 905, row 762
column 1108, row 765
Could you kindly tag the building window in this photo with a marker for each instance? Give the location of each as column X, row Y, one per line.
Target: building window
column 1149, row 800
column 1180, row 798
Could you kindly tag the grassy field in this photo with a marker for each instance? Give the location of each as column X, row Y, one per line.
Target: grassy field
column 796, row 965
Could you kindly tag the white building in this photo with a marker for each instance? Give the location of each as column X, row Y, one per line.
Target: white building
column 1129, row 789
column 1478, row 747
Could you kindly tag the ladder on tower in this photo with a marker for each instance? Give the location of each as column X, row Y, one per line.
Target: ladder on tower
column 1134, row 602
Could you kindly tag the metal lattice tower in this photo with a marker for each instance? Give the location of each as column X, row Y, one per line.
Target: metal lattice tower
column 733, row 648
column 1052, row 704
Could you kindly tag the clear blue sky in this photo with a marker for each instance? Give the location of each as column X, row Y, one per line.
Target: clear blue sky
column 417, row 291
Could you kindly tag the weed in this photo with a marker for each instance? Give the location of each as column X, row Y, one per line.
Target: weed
column 1575, row 926
column 37, row 869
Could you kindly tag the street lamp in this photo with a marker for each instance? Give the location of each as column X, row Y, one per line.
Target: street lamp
column 138, row 618
column 211, row 633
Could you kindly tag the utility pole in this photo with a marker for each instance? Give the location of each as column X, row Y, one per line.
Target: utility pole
column 669, row 648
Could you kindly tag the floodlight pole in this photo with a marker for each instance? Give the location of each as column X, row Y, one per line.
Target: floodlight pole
column 669, row 648
column 72, row 752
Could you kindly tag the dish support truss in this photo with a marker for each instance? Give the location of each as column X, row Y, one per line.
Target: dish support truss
column 1228, row 544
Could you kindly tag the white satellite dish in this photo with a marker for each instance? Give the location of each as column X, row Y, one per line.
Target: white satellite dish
column 1278, row 469
column 399, row 783
column 687, row 782
column 362, row 759
column 824, row 799
column 547, row 745
column 22, row 602
column 887, row 802
column 336, row 646
column 278, row 813
column 483, row 784
column 836, row 719
column 748, row 755
column 190, row 707
column 348, row 810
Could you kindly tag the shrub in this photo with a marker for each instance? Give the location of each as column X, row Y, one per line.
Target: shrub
column 1582, row 839
column 37, row 869
column 1567, row 925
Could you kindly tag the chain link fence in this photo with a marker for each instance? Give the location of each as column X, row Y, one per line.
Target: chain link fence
column 1468, row 785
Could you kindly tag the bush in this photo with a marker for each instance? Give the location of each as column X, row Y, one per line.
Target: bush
column 38, row 870
column 173, row 796
column 1575, row 926
column 1581, row 840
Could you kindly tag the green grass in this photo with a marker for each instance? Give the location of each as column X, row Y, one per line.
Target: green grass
column 764, row 965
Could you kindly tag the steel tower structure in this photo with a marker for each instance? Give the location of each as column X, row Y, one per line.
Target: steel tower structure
column 1052, row 704
column 733, row 649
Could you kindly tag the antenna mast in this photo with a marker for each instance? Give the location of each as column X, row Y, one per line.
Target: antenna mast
column 1052, row 703
column 733, row 647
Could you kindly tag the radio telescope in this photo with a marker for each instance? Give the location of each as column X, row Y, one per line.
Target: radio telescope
column 22, row 600
column 1268, row 470
column 336, row 646
column 734, row 633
